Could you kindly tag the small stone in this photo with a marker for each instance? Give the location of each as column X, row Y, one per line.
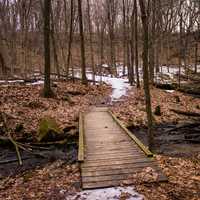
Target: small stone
column 157, row 111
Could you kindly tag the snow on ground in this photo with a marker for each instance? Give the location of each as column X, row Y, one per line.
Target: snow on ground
column 120, row 86
column 198, row 68
column 39, row 82
column 171, row 71
column 113, row 193
column 12, row 81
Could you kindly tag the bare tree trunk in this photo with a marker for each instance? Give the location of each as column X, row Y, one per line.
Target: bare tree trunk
column 124, row 37
column 2, row 65
column 3, row 58
column 101, row 50
column 152, row 44
column 196, row 57
column 146, row 74
column 54, row 45
column 111, row 20
column 136, row 45
column 47, row 92
column 128, row 46
column 180, row 50
column 167, row 52
column 84, row 78
column 132, row 47
column 70, row 38
column 91, row 45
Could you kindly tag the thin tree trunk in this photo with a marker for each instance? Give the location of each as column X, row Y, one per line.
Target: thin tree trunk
column 54, row 45
column 70, row 38
column 83, row 66
column 180, row 51
column 196, row 57
column 167, row 52
column 111, row 19
column 124, row 37
column 101, row 50
column 2, row 65
column 128, row 47
column 152, row 46
column 132, row 47
column 91, row 45
column 146, row 74
column 47, row 92
column 136, row 45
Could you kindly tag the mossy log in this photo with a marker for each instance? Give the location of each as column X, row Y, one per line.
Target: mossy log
column 48, row 130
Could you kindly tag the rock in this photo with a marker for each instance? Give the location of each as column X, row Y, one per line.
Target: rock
column 69, row 127
column 35, row 104
column 54, row 85
column 48, row 130
column 157, row 111
column 19, row 127
column 177, row 98
column 67, row 98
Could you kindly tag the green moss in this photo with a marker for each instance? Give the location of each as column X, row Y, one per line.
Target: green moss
column 48, row 129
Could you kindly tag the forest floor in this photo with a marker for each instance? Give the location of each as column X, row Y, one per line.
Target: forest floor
column 178, row 154
column 49, row 168
column 58, row 176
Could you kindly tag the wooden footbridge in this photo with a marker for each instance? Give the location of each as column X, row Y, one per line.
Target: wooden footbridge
column 108, row 152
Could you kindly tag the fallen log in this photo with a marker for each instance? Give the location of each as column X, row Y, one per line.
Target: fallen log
column 166, row 86
column 187, row 113
column 3, row 162
column 4, row 140
column 74, row 93
column 189, row 90
column 184, row 125
column 41, row 144
column 17, row 149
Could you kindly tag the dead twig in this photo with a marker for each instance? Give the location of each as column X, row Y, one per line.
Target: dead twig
column 11, row 139
column 16, row 148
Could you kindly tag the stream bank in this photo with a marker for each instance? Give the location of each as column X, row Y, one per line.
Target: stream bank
column 182, row 140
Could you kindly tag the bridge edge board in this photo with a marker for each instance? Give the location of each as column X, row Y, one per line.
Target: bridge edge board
column 81, row 138
column 132, row 136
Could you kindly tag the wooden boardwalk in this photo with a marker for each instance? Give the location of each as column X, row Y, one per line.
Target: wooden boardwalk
column 109, row 155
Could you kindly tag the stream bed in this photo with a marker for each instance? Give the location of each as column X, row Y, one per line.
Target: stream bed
column 180, row 140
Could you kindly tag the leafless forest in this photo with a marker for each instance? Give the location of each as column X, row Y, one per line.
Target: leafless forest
column 60, row 58
column 112, row 33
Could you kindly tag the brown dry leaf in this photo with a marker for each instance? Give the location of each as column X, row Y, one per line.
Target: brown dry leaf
column 23, row 105
column 132, row 110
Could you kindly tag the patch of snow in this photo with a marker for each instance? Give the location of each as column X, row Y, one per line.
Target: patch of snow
column 198, row 68
column 120, row 86
column 113, row 193
column 170, row 91
column 12, row 81
column 171, row 71
column 120, row 69
column 36, row 74
column 40, row 82
column 105, row 65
